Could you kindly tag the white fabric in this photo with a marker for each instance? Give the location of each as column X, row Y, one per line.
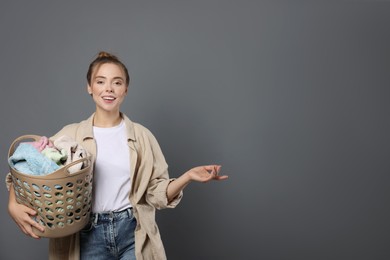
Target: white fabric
column 112, row 169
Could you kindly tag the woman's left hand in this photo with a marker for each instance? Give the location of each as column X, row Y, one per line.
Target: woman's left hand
column 206, row 173
column 200, row 174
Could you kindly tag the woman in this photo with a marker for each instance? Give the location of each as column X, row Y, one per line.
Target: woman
column 131, row 177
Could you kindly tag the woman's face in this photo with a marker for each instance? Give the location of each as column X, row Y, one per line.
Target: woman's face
column 108, row 87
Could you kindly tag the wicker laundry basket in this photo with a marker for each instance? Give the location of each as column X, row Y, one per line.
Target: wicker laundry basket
column 61, row 199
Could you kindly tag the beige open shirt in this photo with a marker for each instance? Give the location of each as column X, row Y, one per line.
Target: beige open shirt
column 149, row 182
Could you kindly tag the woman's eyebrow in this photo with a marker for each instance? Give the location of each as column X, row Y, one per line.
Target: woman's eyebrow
column 103, row 77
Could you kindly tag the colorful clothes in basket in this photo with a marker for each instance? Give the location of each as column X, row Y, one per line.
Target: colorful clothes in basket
column 27, row 159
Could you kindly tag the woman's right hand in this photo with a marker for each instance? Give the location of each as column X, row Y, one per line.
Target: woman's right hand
column 22, row 216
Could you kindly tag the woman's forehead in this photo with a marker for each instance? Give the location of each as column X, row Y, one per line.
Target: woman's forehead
column 109, row 69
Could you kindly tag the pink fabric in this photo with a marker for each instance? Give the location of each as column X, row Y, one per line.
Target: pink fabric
column 43, row 143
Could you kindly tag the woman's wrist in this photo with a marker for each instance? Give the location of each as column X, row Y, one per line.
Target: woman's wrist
column 187, row 177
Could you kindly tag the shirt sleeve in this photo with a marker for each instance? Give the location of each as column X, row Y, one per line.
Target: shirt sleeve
column 154, row 162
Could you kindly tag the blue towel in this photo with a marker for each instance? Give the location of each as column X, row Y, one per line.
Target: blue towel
column 28, row 160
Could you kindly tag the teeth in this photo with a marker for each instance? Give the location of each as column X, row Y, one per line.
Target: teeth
column 108, row 98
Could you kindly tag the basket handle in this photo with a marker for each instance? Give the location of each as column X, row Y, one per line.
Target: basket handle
column 66, row 167
column 19, row 139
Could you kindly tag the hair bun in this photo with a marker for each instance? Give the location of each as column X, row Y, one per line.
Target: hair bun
column 104, row 54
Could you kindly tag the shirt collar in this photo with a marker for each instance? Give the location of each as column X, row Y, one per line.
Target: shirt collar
column 87, row 128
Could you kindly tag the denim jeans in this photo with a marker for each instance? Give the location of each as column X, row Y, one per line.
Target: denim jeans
column 109, row 236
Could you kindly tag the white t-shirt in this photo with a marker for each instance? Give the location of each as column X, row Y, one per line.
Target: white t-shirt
column 112, row 169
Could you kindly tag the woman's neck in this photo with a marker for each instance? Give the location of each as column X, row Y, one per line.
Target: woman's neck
column 102, row 119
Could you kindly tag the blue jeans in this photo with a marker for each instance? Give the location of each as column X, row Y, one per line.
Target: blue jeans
column 109, row 236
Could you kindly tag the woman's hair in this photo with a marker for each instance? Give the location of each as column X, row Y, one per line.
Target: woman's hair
column 102, row 58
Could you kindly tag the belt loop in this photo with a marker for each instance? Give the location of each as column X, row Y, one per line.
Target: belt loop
column 129, row 213
column 96, row 215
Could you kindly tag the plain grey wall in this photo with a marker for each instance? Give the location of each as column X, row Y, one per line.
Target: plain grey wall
column 291, row 97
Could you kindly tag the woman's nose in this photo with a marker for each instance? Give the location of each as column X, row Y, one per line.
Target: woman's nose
column 109, row 88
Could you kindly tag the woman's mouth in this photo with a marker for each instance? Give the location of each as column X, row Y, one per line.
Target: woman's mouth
column 108, row 98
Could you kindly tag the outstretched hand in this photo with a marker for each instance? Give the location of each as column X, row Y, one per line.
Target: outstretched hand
column 200, row 174
column 206, row 173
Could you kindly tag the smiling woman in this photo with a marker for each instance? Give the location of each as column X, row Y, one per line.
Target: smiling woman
column 130, row 175
column 108, row 88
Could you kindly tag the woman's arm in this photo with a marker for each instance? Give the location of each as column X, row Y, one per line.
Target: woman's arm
column 22, row 215
column 199, row 174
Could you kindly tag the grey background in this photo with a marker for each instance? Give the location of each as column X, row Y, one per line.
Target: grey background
column 291, row 97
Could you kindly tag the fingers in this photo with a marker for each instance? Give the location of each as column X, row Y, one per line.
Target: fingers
column 30, row 225
column 30, row 232
column 207, row 173
column 27, row 228
column 25, row 222
column 29, row 211
column 215, row 169
column 215, row 173
column 220, row 178
column 31, row 221
column 36, row 225
column 212, row 167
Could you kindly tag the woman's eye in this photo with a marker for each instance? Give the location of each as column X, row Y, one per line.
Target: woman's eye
column 118, row 83
column 99, row 82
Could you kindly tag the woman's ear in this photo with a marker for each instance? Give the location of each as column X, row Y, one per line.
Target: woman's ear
column 89, row 89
